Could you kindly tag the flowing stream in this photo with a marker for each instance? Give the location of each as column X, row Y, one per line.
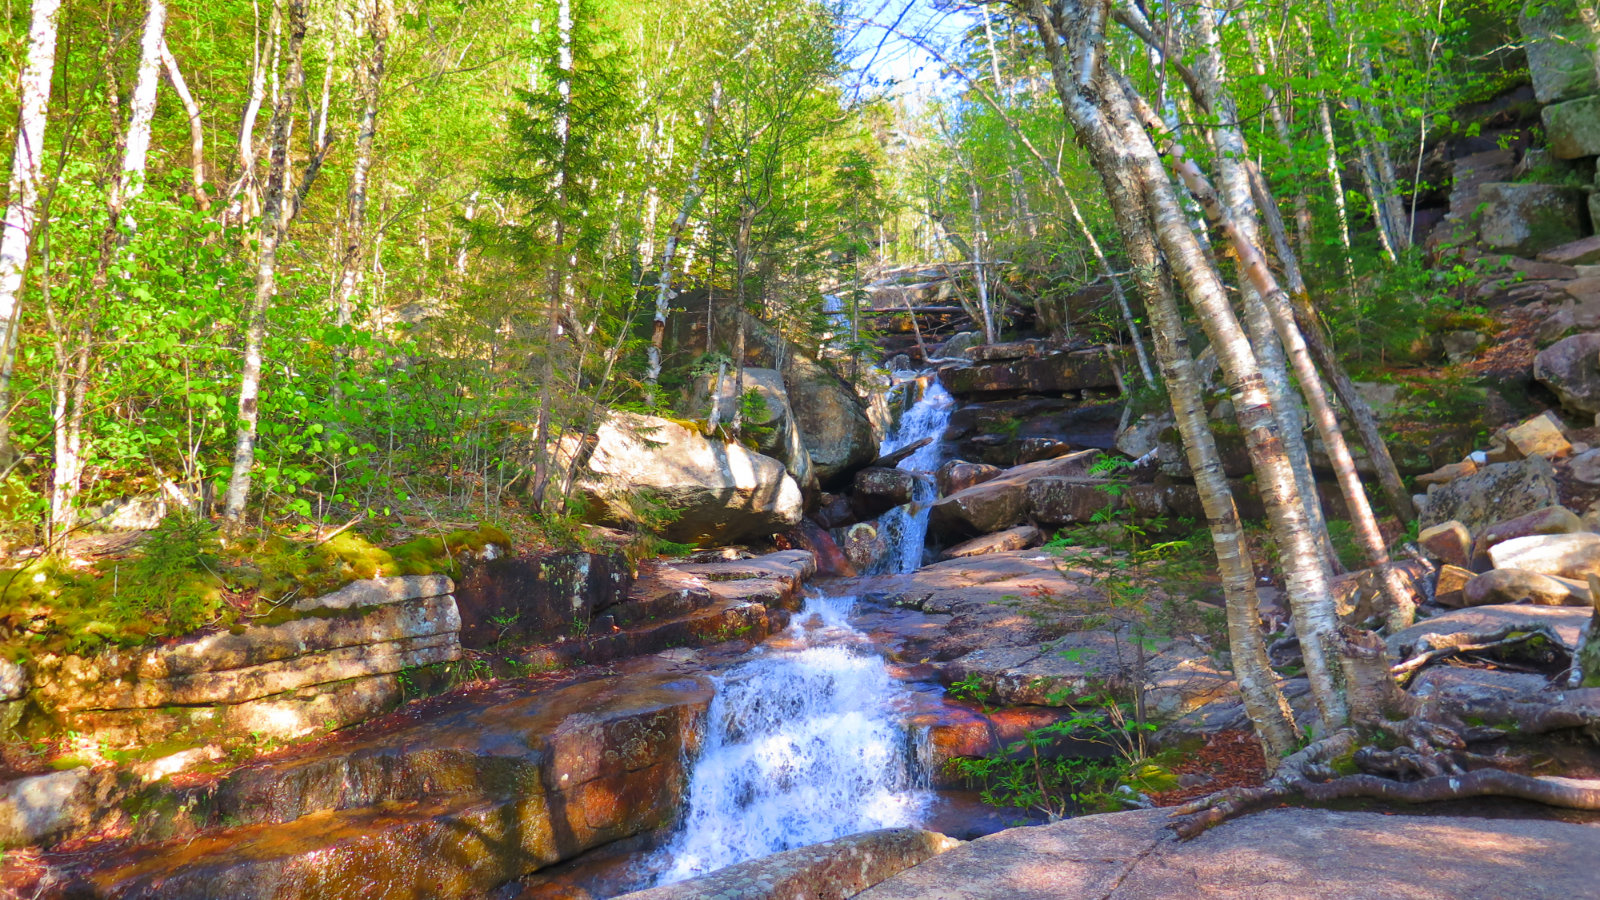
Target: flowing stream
column 905, row 528
column 802, row 745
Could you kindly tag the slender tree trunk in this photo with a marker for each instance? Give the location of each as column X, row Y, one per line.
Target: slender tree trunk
column 1119, row 144
column 558, row 270
column 244, row 198
column 271, row 234
column 980, row 276
column 22, row 212
column 1394, row 490
column 369, row 76
column 1280, row 125
column 125, row 187
column 691, row 198
column 197, row 132
column 1331, row 161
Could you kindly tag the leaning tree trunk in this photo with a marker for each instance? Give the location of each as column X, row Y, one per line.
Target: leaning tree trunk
column 197, row 132
column 22, row 212
column 691, row 199
column 1119, row 144
column 270, row 235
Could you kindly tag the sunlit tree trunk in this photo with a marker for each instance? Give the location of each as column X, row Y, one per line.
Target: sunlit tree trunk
column 127, row 185
column 22, row 212
column 1104, row 119
column 270, row 235
column 369, row 78
column 1280, row 126
column 691, row 198
column 197, row 132
column 558, row 269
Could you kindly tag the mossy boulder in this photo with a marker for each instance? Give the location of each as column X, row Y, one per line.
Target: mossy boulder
column 1524, row 219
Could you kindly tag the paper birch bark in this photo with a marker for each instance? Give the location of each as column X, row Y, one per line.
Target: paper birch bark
column 695, row 190
column 22, row 212
column 558, row 270
column 1121, row 150
column 72, row 375
column 270, row 234
column 197, row 132
column 369, row 79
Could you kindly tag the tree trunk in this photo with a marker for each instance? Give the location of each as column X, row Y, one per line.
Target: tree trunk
column 271, row 233
column 1121, row 148
column 22, row 212
column 197, row 133
column 1394, row 490
column 369, row 78
column 125, row 186
column 1280, row 125
column 691, row 199
column 558, row 268
column 244, row 197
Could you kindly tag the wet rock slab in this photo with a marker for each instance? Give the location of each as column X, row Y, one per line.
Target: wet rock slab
column 833, row 870
column 1281, row 854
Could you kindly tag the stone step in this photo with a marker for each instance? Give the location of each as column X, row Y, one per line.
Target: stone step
column 737, row 612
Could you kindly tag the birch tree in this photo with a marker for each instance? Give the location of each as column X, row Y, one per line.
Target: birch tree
column 376, row 16
column 269, row 235
column 22, row 212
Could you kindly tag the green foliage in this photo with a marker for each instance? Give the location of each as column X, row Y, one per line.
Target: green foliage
column 1039, row 774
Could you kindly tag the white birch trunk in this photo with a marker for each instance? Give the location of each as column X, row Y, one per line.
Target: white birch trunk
column 197, row 133
column 22, row 212
column 370, row 78
column 270, row 234
column 691, row 198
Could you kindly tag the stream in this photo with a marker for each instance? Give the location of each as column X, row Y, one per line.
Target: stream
column 905, row 528
column 803, row 744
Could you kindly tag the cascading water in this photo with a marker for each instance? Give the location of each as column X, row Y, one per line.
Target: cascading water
column 802, row 745
column 905, row 528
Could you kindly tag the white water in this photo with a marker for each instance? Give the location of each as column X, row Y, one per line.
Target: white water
column 905, row 528
column 802, row 745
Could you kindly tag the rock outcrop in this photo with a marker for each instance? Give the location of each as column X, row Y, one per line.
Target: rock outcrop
column 719, row 491
column 1571, row 368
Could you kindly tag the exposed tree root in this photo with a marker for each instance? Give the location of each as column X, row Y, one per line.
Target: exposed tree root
column 1566, row 793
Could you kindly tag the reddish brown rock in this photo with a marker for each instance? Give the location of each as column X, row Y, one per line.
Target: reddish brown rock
column 1449, row 542
column 1452, row 581
column 1019, row 538
column 958, row 475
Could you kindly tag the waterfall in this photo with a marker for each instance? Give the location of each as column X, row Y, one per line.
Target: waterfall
column 802, row 745
column 905, row 528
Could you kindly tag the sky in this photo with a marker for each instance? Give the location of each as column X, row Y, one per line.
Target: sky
column 885, row 62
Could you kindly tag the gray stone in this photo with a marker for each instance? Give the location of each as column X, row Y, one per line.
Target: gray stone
column 1573, row 127
column 13, row 680
column 1383, row 397
column 1020, row 538
column 720, row 491
column 1143, row 435
column 38, row 808
column 1577, row 253
column 1571, row 369
column 1526, row 218
column 958, row 344
column 777, row 434
column 1566, row 623
column 1556, row 44
column 1278, row 854
column 380, row 592
column 1496, row 492
column 833, row 870
column 1517, row 586
column 1585, row 467
column 879, row 490
column 1550, row 520
column 1568, row 555
column 1461, row 346
column 1067, row 500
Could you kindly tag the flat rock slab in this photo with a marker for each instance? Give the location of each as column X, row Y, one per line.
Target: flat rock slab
column 1565, row 622
column 1281, row 854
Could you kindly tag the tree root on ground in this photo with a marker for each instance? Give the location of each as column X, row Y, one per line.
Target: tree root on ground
column 1567, row 793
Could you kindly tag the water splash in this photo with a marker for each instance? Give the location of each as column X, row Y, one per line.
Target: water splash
column 905, row 528
column 802, row 745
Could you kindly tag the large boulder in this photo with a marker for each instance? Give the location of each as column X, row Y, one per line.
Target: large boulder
column 1574, row 555
column 1571, row 369
column 1495, row 493
column 1056, row 374
column 1068, row 501
column 1000, row 502
column 1556, row 43
column 1573, row 127
column 771, row 422
column 1526, row 218
column 879, row 490
column 720, row 492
